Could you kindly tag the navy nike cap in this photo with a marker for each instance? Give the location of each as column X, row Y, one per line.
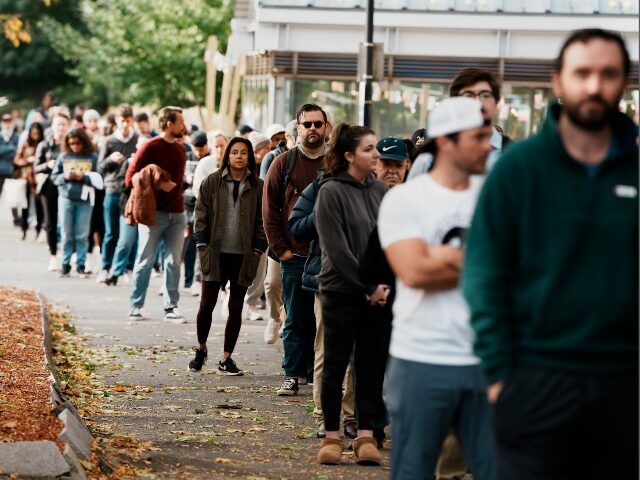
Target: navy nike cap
column 392, row 148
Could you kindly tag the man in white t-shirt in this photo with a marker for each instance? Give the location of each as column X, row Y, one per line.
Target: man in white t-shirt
column 434, row 382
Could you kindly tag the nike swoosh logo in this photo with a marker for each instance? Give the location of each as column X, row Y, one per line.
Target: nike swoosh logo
column 384, row 149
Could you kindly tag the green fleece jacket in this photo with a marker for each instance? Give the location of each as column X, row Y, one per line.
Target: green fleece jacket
column 551, row 268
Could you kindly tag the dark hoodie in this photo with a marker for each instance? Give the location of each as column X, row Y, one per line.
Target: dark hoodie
column 345, row 214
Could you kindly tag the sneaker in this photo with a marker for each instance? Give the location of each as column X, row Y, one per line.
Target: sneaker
column 102, row 276
column 135, row 314
column 111, row 280
column 173, row 315
column 302, row 380
column 126, row 277
column 228, row 367
column 54, row 266
column 271, row 332
column 64, row 271
column 196, row 364
column 253, row 313
column 82, row 273
column 196, row 288
column 289, row 387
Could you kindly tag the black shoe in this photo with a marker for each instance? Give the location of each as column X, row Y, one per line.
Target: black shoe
column 112, row 280
column 195, row 365
column 64, row 271
column 322, row 431
column 310, row 379
column 229, row 367
column 289, row 387
column 350, row 430
column 82, row 273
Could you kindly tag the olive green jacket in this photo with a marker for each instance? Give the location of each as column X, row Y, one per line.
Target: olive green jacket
column 210, row 224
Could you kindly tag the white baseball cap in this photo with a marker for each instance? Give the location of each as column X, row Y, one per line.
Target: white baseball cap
column 273, row 129
column 455, row 114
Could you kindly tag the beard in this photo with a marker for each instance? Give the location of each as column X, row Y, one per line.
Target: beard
column 590, row 119
column 178, row 135
column 312, row 140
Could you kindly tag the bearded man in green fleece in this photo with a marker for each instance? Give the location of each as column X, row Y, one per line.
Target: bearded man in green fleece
column 551, row 276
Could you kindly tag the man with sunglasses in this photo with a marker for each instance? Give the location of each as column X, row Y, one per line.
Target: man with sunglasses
column 283, row 185
column 483, row 86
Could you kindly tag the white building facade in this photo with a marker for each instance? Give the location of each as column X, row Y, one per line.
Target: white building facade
column 298, row 51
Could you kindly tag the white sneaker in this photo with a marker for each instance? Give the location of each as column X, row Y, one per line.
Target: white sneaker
column 126, row 277
column 102, row 276
column 271, row 332
column 54, row 265
column 136, row 314
column 173, row 315
column 196, row 288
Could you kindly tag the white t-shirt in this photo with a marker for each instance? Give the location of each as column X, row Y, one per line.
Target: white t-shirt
column 206, row 166
column 430, row 327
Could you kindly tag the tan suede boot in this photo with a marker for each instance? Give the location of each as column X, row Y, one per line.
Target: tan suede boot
column 367, row 453
column 330, row 451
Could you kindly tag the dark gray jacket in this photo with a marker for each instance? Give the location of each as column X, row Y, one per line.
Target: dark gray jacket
column 113, row 172
column 346, row 212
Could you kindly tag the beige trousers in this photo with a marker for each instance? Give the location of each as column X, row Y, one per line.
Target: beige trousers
column 273, row 291
column 348, row 397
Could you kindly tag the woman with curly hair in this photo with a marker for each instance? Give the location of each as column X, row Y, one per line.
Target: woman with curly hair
column 74, row 173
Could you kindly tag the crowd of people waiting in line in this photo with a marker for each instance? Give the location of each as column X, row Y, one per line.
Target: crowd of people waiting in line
column 469, row 295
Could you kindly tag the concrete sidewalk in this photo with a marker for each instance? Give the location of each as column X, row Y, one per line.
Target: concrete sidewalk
column 203, row 425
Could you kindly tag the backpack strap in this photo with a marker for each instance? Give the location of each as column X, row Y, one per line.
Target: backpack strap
column 288, row 168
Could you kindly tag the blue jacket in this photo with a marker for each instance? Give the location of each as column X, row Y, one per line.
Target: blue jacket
column 302, row 228
column 67, row 162
column 7, row 154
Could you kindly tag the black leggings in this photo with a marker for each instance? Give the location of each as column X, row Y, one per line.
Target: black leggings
column 49, row 199
column 230, row 265
column 352, row 325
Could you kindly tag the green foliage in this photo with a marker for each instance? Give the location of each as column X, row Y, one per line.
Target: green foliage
column 29, row 70
column 142, row 51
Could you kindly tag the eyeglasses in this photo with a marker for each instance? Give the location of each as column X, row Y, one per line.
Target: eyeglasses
column 73, row 142
column 483, row 95
column 317, row 124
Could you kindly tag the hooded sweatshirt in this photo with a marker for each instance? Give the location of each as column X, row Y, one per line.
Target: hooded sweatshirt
column 345, row 214
column 551, row 267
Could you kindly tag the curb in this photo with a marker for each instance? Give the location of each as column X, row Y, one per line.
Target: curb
column 44, row 458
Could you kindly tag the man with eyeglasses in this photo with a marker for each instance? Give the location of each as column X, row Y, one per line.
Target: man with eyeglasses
column 284, row 183
column 482, row 85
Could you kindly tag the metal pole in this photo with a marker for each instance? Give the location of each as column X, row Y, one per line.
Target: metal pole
column 365, row 81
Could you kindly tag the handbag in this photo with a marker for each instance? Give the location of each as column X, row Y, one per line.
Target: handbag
column 15, row 193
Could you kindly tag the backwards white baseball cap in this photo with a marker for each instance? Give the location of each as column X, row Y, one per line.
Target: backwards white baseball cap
column 455, row 114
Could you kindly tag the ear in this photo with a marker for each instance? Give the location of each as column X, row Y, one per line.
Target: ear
column 349, row 156
column 441, row 142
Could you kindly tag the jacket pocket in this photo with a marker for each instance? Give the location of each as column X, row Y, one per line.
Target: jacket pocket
column 205, row 260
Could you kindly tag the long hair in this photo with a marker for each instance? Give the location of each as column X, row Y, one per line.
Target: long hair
column 83, row 138
column 344, row 138
column 251, row 166
column 38, row 127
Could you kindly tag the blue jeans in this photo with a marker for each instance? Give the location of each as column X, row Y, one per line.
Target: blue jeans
column 190, row 253
column 299, row 330
column 125, row 254
column 169, row 228
column 111, row 212
column 426, row 401
column 75, row 220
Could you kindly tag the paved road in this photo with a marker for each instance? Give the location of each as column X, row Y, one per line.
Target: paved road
column 185, row 415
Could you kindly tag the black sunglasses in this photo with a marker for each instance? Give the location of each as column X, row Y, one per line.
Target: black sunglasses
column 317, row 124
